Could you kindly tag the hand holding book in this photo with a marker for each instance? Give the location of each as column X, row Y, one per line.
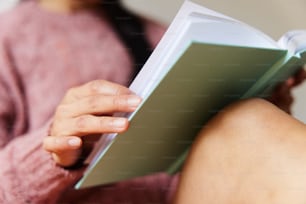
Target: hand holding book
column 85, row 113
column 282, row 94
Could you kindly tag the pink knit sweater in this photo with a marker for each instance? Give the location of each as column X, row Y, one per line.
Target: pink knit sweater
column 42, row 54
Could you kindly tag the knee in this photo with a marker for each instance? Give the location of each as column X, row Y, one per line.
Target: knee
column 251, row 117
column 249, row 113
column 250, row 145
column 251, row 123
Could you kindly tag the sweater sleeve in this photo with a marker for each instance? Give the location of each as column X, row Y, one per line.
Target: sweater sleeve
column 27, row 172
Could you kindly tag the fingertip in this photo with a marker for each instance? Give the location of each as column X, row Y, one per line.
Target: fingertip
column 299, row 77
column 290, row 81
column 61, row 144
column 120, row 124
column 125, row 127
column 131, row 92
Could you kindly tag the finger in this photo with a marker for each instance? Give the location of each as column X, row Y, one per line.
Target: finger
column 290, row 82
column 285, row 88
column 299, row 77
column 89, row 124
column 65, row 150
column 94, row 88
column 99, row 104
column 61, row 144
column 282, row 97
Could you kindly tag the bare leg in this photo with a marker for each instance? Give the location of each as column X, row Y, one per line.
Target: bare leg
column 250, row 153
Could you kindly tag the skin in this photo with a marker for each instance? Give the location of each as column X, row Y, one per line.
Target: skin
column 282, row 96
column 260, row 140
column 250, row 153
column 86, row 111
column 68, row 6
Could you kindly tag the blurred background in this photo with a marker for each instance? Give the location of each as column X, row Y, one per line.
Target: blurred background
column 7, row 4
column 273, row 17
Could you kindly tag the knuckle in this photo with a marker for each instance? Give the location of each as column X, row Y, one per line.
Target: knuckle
column 95, row 85
column 103, row 123
column 70, row 91
column 70, row 94
column 59, row 128
column 61, row 110
column 54, row 130
column 98, row 86
column 106, row 124
column 94, row 102
column 117, row 102
column 117, row 91
column 81, row 123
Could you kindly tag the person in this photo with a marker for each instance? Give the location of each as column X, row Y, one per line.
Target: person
column 46, row 48
column 62, row 75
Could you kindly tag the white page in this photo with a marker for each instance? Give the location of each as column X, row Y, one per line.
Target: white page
column 294, row 41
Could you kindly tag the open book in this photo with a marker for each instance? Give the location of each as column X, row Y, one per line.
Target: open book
column 204, row 61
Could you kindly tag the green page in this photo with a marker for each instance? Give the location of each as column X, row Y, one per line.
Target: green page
column 205, row 79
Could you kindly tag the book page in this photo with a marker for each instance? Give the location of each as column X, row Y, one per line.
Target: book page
column 294, row 41
column 195, row 23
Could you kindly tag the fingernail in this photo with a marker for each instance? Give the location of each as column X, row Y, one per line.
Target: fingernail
column 120, row 122
column 134, row 101
column 74, row 142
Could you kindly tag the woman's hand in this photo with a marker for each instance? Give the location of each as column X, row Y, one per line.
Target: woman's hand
column 282, row 96
column 86, row 111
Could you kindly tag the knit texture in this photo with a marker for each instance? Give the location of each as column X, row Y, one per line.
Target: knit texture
column 42, row 55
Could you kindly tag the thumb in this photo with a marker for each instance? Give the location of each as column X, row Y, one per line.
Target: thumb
column 65, row 150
